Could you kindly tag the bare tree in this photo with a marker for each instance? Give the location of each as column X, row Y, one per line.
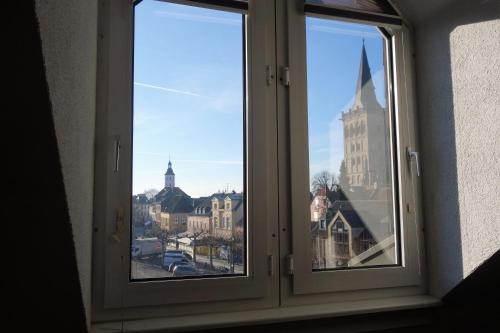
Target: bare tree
column 195, row 238
column 323, row 180
column 150, row 193
column 343, row 179
column 212, row 242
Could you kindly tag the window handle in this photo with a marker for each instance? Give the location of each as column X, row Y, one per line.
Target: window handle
column 413, row 156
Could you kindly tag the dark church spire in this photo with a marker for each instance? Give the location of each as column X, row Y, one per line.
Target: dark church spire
column 170, row 171
column 169, row 176
column 365, row 90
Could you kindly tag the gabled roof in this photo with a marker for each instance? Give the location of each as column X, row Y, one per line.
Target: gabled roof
column 169, row 191
column 203, row 203
column 177, row 204
column 367, row 215
column 174, row 200
column 233, row 196
column 140, row 199
column 218, row 196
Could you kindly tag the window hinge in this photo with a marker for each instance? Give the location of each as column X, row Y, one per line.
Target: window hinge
column 270, row 265
column 285, row 76
column 289, row 264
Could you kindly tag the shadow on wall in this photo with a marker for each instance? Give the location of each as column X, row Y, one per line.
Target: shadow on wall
column 438, row 137
column 42, row 289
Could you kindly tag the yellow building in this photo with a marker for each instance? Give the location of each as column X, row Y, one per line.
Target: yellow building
column 173, row 222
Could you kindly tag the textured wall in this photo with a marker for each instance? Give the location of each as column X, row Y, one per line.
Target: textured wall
column 475, row 63
column 68, row 31
column 458, row 81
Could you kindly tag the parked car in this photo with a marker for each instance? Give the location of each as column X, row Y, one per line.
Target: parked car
column 186, row 270
column 179, row 263
column 171, row 256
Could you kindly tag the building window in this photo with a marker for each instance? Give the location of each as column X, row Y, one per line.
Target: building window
column 225, row 67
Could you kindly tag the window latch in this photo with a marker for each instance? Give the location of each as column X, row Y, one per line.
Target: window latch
column 413, row 156
column 285, row 76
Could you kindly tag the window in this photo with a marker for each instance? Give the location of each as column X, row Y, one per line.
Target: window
column 354, row 74
column 295, row 109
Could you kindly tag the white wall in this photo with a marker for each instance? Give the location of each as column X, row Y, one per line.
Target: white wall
column 458, row 84
column 68, row 31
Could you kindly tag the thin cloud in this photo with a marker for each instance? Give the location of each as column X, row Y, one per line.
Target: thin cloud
column 171, row 90
column 322, row 150
column 198, row 18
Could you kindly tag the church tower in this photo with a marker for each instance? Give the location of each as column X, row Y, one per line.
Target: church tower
column 365, row 133
column 169, row 176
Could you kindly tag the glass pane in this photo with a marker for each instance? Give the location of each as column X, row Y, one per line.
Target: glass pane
column 350, row 163
column 188, row 203
column 374, row 6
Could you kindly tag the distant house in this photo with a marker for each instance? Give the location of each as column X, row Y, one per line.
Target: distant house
column 199, row 220
column 140, row 209
column 348, row 230
column 227, row 214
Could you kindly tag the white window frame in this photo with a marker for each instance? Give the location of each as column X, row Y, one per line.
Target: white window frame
column 114, row 295
column 277, row 174
column 306, row 286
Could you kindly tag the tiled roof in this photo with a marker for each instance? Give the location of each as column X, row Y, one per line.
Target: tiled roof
column 174, row 200
column 364, row 214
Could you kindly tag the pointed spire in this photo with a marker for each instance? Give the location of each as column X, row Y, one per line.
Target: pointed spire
column 170, row 171
column 365, row 90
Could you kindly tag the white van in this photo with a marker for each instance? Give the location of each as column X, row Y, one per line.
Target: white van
column 142, row 247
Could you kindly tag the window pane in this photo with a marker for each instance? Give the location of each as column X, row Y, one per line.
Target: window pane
column 350, row 163
column 188, row 203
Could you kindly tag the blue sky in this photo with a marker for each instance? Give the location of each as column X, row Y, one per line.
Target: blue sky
column 188, row 94
column 333, row 58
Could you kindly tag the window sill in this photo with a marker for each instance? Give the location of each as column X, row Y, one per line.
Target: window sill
column 267, row 316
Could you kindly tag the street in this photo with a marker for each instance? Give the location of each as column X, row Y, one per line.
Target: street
column 150, row 267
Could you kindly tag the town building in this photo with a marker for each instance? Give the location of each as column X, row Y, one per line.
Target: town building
column 199, row 220
column 366, row 131
column 346, row 234
column 171, row 205
column 227, row 214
